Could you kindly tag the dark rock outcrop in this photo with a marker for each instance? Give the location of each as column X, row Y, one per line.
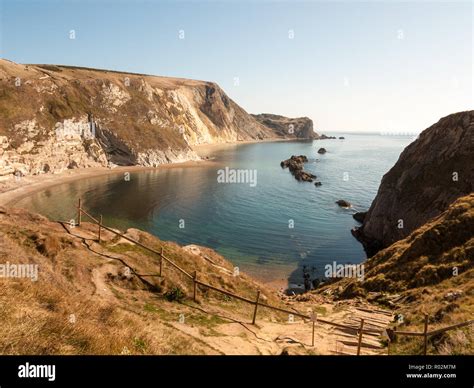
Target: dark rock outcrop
column 296, row 164
column 343, row 203
column 322, row 151
column 359, row 216
column 429, row 175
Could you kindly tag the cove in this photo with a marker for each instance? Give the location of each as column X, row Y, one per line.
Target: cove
column 272, row 230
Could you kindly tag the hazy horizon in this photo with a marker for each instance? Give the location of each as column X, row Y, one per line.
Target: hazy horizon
column 351, row 67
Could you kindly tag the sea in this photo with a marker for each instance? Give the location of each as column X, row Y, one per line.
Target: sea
column 245, row 205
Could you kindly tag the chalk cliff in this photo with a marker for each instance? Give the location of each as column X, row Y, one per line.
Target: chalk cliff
column 58, row 117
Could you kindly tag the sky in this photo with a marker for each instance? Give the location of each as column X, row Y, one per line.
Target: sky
column 350, row 66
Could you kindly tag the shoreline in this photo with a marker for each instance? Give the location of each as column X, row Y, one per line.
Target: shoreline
column 12, row 191
column 203, row 148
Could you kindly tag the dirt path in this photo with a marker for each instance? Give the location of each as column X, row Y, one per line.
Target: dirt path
column 295, row 336
column 270, row 336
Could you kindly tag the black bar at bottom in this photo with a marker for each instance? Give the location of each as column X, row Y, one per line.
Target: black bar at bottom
column 291, row 371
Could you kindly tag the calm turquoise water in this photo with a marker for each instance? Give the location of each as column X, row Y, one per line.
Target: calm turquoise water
column 249, row 225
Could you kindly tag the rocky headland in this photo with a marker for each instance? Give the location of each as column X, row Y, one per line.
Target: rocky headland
column 299, row 128
column 430, row 174
column 419, row 236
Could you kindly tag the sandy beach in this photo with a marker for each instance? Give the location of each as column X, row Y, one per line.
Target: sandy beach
column 206, row 149
column 13, row 190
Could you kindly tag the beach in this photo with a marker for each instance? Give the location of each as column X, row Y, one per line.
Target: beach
column 14, row 189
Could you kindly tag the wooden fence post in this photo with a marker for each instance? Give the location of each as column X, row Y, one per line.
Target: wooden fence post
column 100, row 226
column 360, row 336
column 161, row 261
column 195, row 285
column 79, row 212
column 425, row 331
column 313, row 318
column 256, row 306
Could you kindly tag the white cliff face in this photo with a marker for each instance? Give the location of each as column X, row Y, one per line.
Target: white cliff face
column 70, row 145
column 56, row 118
column 195, row 132
column 157, row 158
column 114, row 97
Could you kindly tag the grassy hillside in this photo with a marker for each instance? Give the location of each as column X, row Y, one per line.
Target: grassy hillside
column 86, row 301
column 429, row 272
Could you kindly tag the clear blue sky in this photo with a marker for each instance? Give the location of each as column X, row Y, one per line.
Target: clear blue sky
column 350, row 66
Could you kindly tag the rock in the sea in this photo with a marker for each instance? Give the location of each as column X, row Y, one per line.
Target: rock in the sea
column 325, row 137
column 322, row 150
column 359, row 216
column 429, row 175
column 304, row 176
column 343, row 203
column 295, row 164
column 317, row 183
column 341, row 137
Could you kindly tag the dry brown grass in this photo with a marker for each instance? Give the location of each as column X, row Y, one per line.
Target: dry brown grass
column 113, row 313
column 416, row 275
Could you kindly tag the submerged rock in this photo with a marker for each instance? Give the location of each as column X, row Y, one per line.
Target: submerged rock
column 304, row 176
column 343, row 203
